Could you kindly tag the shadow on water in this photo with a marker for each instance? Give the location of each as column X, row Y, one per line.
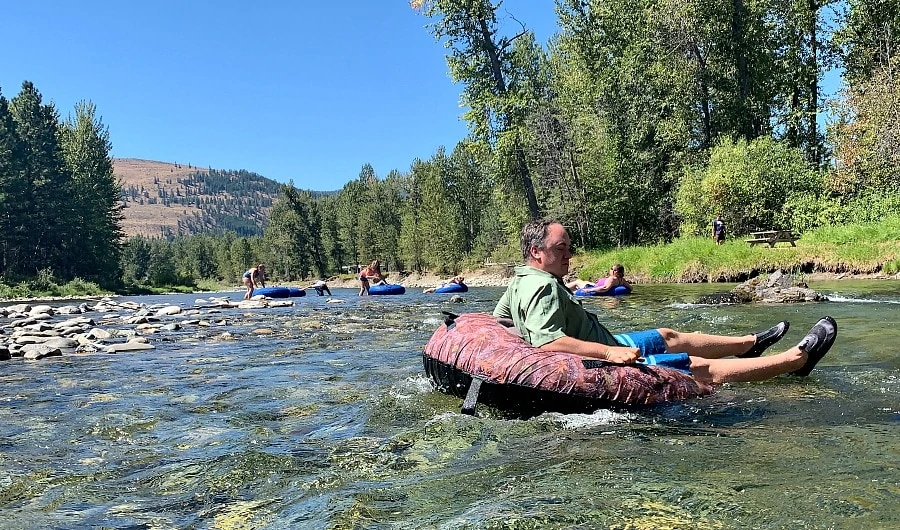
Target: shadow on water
column 319, row 416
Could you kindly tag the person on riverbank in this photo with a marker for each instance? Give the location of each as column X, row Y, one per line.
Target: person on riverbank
column 616, row 278
column 718, row 230
column 321, row 287
column 459, row 280
column 253, row 278
column 549, row 317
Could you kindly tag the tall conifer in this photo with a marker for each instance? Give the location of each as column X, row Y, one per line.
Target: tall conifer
column 96, row 194
column 46, row 189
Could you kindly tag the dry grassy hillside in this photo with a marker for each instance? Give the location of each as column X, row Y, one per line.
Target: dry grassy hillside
column 169, row 198
column 149, row 219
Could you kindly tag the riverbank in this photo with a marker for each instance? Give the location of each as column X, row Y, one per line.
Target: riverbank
column 474, row 278
column 495, row 278
column 861, row 252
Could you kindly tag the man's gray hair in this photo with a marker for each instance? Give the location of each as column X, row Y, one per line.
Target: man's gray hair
column 534, row 234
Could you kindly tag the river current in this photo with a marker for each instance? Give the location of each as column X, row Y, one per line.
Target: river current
column 319, row 416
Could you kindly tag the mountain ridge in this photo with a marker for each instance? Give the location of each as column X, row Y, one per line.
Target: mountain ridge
column 162, row 199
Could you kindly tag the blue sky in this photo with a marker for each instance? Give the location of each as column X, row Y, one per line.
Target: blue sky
column 296, row 91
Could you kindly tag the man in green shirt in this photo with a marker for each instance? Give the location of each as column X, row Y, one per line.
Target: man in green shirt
column 549, row 317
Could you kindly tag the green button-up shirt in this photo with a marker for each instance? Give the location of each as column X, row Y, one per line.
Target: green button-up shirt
column 543, row 310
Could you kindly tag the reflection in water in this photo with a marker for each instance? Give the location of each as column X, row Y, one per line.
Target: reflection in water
column 328, row 422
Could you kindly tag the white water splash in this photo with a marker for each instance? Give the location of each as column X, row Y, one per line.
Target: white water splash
column 836, row 298
column 580, row 421
column 411, row 387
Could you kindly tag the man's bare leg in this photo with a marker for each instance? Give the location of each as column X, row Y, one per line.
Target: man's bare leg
column 706, row 346
column 744, row 370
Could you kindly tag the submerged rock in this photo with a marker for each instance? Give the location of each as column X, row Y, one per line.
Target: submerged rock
column 777, row 288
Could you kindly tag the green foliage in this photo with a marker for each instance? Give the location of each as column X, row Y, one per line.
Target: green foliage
column 441, row 230
column 855, row 247
column 45, row 285
column 749, row 183
column 96, row 195
column 288, row 235
column 42, row 219
column 500, row 81
column 808, row 212
column 868, row 37
column 885, row 230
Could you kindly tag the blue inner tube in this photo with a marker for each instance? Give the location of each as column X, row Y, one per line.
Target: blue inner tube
column 453, row 288
column 273, row 292
column 296, row 291
column 387, row 288
column 618, row 290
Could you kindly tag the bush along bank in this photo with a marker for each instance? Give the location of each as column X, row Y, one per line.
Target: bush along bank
column 856, row 249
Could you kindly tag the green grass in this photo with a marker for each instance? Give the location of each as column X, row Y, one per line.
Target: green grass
column 854, row 248
column 45, row 286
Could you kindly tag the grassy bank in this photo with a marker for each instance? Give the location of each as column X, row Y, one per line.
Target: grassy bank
column 44, row 286
column 853, row 248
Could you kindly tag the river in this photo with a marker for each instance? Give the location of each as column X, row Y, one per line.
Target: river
column 324, row 420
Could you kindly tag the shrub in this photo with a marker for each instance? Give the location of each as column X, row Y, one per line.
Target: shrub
column 749, row 183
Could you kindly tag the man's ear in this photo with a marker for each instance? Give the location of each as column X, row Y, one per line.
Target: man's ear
column 533, row 251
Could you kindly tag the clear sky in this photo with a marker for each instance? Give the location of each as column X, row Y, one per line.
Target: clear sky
column 296, row 91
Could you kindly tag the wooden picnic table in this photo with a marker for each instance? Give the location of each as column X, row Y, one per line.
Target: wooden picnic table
column 771, row 237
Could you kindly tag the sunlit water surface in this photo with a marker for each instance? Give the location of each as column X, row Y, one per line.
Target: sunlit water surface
column 328, row 422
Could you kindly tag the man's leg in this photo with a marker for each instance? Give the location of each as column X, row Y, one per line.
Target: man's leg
column 744, row 370
column 706, row 346
column 799, row 360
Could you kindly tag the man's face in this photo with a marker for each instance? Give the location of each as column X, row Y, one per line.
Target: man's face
column 554, row 257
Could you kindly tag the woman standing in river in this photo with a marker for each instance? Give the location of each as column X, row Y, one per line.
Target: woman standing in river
column 253, row 276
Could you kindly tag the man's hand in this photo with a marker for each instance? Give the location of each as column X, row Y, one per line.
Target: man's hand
column 596, row 350
column 621, row 354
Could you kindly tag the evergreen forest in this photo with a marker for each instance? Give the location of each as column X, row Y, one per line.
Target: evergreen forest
column 636, row 124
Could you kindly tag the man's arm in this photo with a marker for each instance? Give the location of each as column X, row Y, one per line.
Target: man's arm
column 615, row 354
column 502, row 308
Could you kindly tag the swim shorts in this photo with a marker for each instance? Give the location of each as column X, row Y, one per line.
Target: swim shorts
column 653, row 350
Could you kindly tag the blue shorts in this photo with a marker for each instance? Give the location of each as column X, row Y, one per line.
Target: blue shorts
column 653, row 350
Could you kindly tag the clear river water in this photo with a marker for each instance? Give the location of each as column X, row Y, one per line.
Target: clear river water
column 319, row 416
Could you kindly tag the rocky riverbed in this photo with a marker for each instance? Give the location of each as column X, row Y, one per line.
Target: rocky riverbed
column 37, row 331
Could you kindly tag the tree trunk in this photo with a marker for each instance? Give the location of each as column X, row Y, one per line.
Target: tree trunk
column 500, row 83
column 525, row 175
column 742, row 71
column 704, row 94
column 812, row 140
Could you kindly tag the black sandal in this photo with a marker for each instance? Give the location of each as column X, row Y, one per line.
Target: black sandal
column 766, row 339
column 816, row 344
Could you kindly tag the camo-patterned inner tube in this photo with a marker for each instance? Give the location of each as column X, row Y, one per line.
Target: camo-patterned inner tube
column 476, row 345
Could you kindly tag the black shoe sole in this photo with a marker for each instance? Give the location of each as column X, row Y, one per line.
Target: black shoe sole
column 818, row 350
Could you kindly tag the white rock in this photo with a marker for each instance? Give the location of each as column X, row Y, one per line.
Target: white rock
column 127, row 347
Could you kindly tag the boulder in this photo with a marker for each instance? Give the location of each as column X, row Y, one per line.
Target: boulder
column 128, row 347
column 168, row 310
column 39, row 351
column 778, row 288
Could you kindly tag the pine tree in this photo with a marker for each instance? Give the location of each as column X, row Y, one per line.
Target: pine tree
column 96, row 194
column 49, row 235
column 13, row 212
